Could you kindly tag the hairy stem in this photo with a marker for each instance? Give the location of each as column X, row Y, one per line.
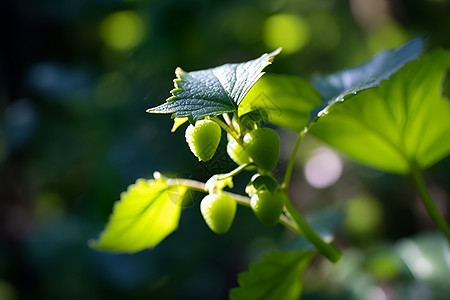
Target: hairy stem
column 242, row 200
column 431, row 208
column 327, row 249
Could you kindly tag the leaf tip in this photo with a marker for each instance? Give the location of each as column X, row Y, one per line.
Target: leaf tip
column 273, row 54
column 179, row 71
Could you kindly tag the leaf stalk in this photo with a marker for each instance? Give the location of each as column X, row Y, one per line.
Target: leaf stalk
column 327, row 249
column 427, row 201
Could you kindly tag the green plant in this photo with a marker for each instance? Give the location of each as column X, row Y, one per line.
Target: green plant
column 263, row 147
column 387, row 113
column 218, row 210
column 268, row 206
column 203, row 139
column 237, row 153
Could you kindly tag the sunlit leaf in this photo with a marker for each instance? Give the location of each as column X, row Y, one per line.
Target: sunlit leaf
column 277, row 275
column 213, row 91
column 335, row 87
column 288, row 100
column 405, row 121
column 177, row 122
column 146, row 213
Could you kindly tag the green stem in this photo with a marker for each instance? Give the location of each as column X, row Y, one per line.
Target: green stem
column 242, row 200
column 428, row 202
column 234, row 172
column 327, row 249
column 290, row 167
column 230, row 124
column 227, row 129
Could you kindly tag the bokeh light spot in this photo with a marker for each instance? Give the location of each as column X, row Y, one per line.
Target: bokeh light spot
column 364, row 216
column 384, row 266
column 323, row 168
column 122, row 30
column 288, row 31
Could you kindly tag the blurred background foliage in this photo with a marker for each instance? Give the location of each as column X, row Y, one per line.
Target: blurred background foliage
column 76, row 79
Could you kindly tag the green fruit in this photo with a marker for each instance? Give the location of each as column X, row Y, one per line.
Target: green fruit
column 261, row 182
column 203, row 138
column 263, row 146
column 218, row 210
column 237, row 153
column 268, row 206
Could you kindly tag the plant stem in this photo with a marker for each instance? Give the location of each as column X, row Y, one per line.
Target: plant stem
column 437, row 218
column 327, row 249
column 236, row 171
column 290, row 167
column 227, row 129
column 242, row 200
column 227, row 119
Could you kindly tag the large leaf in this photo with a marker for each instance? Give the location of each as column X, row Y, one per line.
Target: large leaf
column 335, row 87
column 405, row 121
column 288, row 100
column 213, row 91
column 146, row 213
column 277, row 276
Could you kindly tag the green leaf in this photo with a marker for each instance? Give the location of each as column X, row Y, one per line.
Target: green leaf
column 406, row 121
column 277, row 275
column 177, row 122
column 213, row 91
column 335, row 87
column 146, row 213
column 288, row 100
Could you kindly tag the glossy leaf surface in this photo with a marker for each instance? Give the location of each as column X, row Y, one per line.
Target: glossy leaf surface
column 336, row 86
column 406, row 121
column 213, row 91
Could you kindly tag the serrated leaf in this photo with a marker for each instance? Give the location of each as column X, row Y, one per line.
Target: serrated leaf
column 405, row 121
column 146, row 214
column 213, row 91
column 288, row 100
column 277, row 275
column 335, row 87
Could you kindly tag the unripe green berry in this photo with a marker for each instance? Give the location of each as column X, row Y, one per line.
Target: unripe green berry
column 263, row 146
column 237, row 153
column 268, row 206
column 203, row 138
column 218, row 210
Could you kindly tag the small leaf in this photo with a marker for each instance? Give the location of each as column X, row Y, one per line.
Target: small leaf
column 288, row 100
column 177, row 122
column 335, row 87
column 277, row 275
column 146, row 214
column 405, row 121
column 213, row 91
